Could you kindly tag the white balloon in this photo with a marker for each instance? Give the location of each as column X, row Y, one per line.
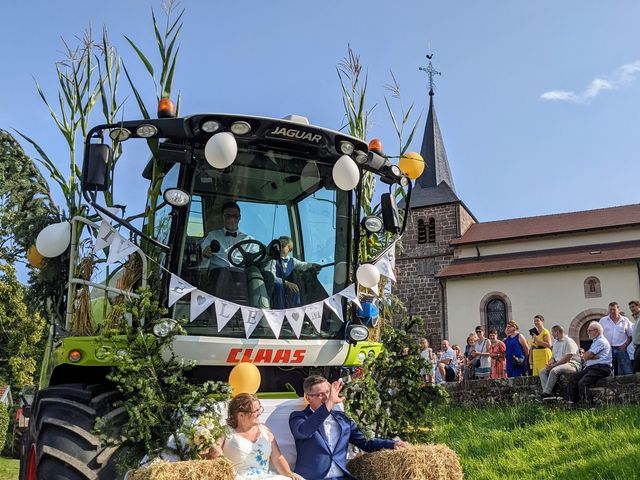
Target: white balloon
column 221, row 150
column 368, row 275
column 54, row 239
column 345, row 173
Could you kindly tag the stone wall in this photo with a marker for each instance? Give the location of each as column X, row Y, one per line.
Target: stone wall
column 507, row 391
column 418, row 263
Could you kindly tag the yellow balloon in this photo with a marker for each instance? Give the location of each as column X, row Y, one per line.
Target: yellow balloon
column 244, row 378
column 412, row 164
column 34, row 257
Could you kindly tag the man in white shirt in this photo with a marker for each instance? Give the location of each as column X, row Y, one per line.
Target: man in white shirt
column 617, row 330
column 565, row 360
column 634, row 306
column 598, row 364
column 217, row 243
column 447, row 364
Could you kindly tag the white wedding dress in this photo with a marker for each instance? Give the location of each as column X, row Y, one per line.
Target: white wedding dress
column 250, row 459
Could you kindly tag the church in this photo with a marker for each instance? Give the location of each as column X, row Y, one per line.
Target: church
column 456, row 272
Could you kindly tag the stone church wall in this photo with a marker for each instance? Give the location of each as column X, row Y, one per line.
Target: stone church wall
column 418, row 263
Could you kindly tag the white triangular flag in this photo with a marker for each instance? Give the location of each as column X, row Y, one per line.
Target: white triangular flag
column 200, row 301
column 225, row 312
column 104, row 237
column 384, row 267
column 334, row 302
column 178, row 288
column 295, row 317
column 314, row 312
column 250, row 318
column 274, row 319
column 120, row 247
column 375, row 290
column 112, row 210
column 391, row 255
column 350, row 294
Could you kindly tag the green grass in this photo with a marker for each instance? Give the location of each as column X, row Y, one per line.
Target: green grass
column 8, row 469
column 536, row 442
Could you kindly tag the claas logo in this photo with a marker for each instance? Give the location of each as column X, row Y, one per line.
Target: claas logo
column 265, row 355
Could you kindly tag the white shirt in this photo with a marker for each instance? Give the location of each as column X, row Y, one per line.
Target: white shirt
column 220, row 258
column 616, row 333
column 602, row 349
column 451, row 355
column 564, row 346
column 332, row 432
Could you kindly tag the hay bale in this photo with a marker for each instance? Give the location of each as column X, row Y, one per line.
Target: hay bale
column 418, row 462
column 218, row 469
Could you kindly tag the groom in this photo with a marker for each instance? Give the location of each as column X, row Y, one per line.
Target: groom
column 323, row 434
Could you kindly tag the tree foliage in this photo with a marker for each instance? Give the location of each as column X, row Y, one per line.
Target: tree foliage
column 390, row 398
column 20, row 332
column 156, row 393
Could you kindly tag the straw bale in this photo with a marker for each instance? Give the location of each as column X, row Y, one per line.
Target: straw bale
column 218, row 469
column 418, row 462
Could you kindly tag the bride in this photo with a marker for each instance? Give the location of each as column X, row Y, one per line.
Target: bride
column 250, row 445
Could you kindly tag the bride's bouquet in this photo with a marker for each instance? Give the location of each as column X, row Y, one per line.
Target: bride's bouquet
column 202, row 433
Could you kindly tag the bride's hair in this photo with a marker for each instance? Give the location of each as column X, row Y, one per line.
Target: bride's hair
column 242, row 402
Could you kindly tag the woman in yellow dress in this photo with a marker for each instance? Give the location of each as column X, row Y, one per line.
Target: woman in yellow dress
column 540, row 345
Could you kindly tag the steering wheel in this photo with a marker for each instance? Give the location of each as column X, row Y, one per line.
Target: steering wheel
column 248, row 258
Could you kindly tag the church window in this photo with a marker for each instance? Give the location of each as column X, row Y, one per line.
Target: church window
column 592, row 288
column 432, row 230
column 422, row 232
column 496, row 315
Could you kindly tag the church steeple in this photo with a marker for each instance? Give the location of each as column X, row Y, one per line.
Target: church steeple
column 437, row 166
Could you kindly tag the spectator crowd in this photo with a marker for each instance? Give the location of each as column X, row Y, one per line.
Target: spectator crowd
column 547, row 354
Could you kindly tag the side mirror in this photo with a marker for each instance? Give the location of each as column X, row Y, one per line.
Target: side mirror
column 94, row 171
column 390, row 215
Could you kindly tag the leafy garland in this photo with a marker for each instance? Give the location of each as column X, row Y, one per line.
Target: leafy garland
column 159, row 400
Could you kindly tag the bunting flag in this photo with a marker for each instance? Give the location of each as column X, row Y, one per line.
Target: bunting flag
column 225, row 312
column 120, row 247
column 200, row 301
column 178, row 288
column 274, row 319
column 295, row 317
column 104, row 237
column 350, row 294
column 251, row 318
column 375, row 290
column 112, row 210
column 386, row 263
column 334, row 302
column 314, row 313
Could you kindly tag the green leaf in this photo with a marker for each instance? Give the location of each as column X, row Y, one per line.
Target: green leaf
column 144, row 60
column 141, row 105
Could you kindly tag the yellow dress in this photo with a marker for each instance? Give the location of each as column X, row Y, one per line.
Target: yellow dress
column 540, row 355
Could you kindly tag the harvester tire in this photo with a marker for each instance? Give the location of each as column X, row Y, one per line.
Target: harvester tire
column 61, row 443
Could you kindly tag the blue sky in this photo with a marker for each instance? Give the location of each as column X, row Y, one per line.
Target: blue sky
column 538, row 102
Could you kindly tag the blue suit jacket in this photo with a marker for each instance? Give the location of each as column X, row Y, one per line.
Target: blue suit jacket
column 314, row 455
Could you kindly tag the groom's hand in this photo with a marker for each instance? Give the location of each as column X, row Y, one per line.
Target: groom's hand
column 334, row 395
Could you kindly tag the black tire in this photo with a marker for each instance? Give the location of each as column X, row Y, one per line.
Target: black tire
column 61, row 437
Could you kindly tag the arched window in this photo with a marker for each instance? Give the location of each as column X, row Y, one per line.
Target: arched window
column 432, row 230
column 496, row 315
column 592, row 287
column 422, row 232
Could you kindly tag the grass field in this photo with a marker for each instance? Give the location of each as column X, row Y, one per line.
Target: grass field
column 527, row 442
column 8, row 469
column 538, row 442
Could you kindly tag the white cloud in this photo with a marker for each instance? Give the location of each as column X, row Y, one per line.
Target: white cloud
column 623, row 76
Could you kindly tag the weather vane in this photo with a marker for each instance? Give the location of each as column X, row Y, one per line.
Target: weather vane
column 430, row 71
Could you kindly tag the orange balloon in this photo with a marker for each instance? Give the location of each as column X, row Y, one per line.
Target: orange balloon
column 34, row 257
column 412, row 164
column 244, row 378
column 375, row 145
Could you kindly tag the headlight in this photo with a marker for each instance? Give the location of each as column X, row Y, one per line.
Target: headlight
column 146, row 131
column 164, row 327
column 240, row 128
column 176, row 197
column 358, row 333
column 346, row 147
column 372, row 224
column 119, row 134
column 210, row 126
